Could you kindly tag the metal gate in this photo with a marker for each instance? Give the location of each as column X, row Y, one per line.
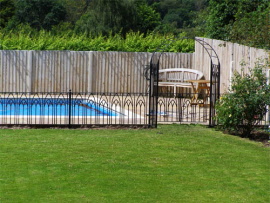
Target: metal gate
column 178, row 107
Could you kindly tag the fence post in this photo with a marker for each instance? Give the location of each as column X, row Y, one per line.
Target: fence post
column 29, row 72
column 90, row 73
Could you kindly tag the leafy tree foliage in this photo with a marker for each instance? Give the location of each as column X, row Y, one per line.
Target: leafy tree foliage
column 7, row 10
column 39, row 14
column 75, row 9
column 252, row 27
column 242, row 21
column 106, row 16
column 179, row 15
column 147, row 18
column 119, row 15
column 221, row 17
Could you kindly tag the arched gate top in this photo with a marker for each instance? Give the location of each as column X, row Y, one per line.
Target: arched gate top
column 214, row 78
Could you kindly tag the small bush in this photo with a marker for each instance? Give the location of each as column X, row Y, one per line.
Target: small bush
column 246, row 103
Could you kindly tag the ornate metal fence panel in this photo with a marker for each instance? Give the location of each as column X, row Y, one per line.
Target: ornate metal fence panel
column 73, row 109
column 180, row 109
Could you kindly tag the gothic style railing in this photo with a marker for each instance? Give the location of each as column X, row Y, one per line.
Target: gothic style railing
column 71, row 109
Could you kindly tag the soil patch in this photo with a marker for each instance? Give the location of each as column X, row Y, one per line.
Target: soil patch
column 261, row 136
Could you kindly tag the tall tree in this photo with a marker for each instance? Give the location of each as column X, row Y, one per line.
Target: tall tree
column 75, row 9
column 251, row 26
column 221, row 18
column 147, row 19
column 39, row 14
column 242, row 21
column 7, row 10
column 117, row 16
column 177, row 15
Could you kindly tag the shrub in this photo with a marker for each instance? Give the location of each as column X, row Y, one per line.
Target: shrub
column 246, row 103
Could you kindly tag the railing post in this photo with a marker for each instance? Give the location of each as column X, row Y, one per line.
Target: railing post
column 69, row 108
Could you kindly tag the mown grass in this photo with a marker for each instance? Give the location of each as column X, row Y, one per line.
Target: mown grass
column 173, row 163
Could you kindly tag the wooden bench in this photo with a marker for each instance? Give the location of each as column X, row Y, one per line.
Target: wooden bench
column 178, row 77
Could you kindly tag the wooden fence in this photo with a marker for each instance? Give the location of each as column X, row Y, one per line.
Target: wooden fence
column 231, row 55
column 123, row 72
column 88, row 71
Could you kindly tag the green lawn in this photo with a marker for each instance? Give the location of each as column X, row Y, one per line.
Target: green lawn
column 173, row 163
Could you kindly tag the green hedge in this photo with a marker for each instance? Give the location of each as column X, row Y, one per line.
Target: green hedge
column 133, row 42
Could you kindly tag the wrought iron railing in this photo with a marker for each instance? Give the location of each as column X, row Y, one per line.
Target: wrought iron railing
column 72, row 109
column 183, row 108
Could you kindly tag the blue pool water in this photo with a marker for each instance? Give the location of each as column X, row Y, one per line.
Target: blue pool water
column 52, row 107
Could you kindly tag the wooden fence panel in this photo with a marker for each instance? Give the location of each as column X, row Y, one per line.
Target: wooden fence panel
column 231, row 56
column 176, row 60
column 123, row 72
column 202, row 61
column 58, row 71
column 223, row 51
column 15, row 71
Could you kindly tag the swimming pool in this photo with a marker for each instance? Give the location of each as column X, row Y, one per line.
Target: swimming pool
column 53, row 107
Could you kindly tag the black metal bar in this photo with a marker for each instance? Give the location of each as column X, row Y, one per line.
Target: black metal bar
column 69, row 106
column 211, row 96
